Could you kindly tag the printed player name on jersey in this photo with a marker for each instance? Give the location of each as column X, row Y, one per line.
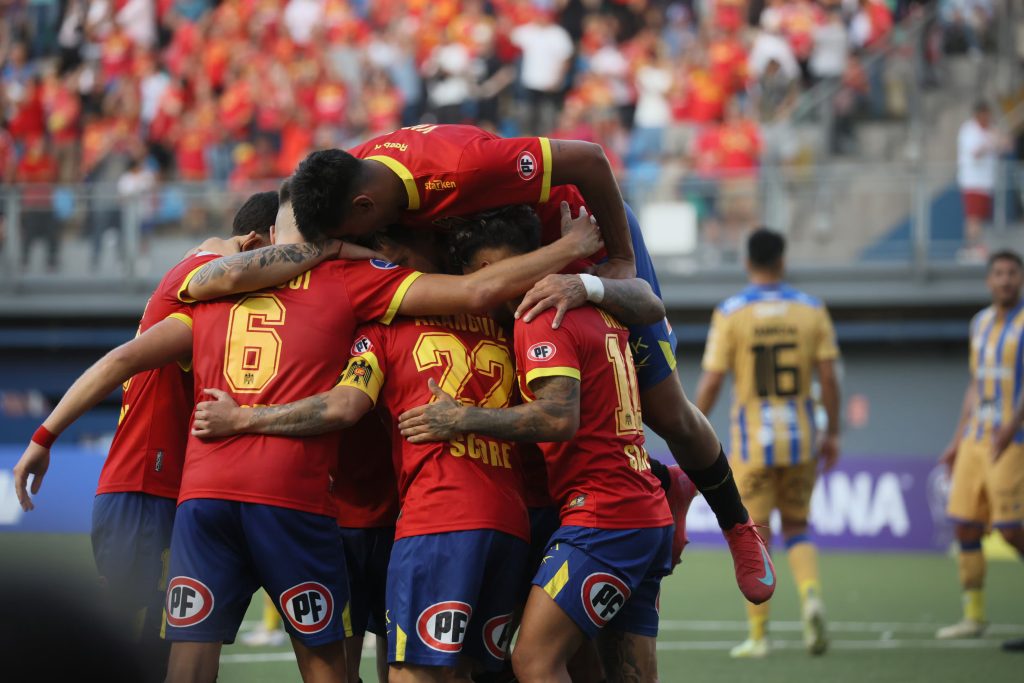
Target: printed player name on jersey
column 466, row 322
column 776, row 330
column 487, row 451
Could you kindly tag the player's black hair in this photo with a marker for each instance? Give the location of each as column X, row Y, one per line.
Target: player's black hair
column 1005, row 255
column 322, row 189
column 257, row 215
column 284, row 193
column 516, row 227
column 765, row 248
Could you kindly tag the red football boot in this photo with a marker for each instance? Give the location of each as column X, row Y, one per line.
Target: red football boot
column 755, row 572
column 680, row 495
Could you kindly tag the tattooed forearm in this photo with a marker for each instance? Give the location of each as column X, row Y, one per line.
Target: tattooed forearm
column 552, row 416
column 307, row 417
column 632, row 301
column 231, row 268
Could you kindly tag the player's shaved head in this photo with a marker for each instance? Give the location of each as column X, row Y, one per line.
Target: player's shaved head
column 323, row 188
column 257, row 214
column 765, row 249
column 511, row 229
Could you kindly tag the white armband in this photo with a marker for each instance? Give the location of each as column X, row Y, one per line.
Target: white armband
column 594, row 287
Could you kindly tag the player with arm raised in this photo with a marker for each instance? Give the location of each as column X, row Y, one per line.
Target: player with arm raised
column 434, row 176
column 601, row 573
column 138, row 488
column 773, row 338
column 987, row 452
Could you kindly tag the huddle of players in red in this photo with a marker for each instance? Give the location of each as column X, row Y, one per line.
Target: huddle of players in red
column 272, row 494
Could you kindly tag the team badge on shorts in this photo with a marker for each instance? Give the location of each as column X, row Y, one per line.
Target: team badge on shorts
column 498, row 636
column 309, row 607
column 442, row 626
column 603, row 596
column 189, row 602
column 542, row 351
column 527, row 165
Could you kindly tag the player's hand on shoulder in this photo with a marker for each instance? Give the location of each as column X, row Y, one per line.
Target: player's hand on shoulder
column 561, row 292
column 828, row 451
column 222, row 247
column 349, row 251
column 35, row 461
column 582, row 230
column 437, row 421
column 217, row 418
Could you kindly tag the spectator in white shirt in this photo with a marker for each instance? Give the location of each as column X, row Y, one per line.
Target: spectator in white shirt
column 770, row 46
column 301, row 17
column 831, row 47
column 978, row 146
column 547, row 49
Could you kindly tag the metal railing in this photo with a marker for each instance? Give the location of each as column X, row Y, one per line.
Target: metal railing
column 835, row 216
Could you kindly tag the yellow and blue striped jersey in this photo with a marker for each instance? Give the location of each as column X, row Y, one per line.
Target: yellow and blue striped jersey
column 771, row 337
column 997, row 367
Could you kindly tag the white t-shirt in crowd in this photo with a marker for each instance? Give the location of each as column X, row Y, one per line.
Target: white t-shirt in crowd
column 546, row 49
column 301, row 18
column 831, row 50
column 977, row 155
column 652, row 110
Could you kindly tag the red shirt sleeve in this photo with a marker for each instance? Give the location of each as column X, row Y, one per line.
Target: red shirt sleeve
column 376, row 289
column 516, row 169
column 367, row 363
column 544, row 352
column 169, row 293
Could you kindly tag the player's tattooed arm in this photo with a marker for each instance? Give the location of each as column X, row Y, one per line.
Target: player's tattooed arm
column 249, row 271
column 338, row 408
column 554, row 415
column 631, row 300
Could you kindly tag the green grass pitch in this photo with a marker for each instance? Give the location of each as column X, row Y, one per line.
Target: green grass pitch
column 883, row 610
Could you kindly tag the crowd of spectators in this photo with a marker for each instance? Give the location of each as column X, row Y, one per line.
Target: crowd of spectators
column 132, row 94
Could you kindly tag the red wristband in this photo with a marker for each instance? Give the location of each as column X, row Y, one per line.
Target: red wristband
column 44, row 437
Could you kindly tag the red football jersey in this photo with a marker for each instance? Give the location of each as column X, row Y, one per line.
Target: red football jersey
column 276, row 346
column 453, row 171
column 471, row 482
column 365, row 488
column 602, row 476
column 148, row 450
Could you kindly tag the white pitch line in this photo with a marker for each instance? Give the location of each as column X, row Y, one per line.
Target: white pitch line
column 851, row 645
column 720, row 645
column 835, row 626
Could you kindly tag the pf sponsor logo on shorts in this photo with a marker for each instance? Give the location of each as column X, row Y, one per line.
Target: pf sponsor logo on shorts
column 309, row 607
column 527, row 165
column 498, row 636
column 603, row 596
column 361, row 346
column 189, row 602
column 543, row 351
column 442, row 626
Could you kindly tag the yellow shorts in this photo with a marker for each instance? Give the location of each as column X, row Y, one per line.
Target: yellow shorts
column 787, row 488
column 986, row 492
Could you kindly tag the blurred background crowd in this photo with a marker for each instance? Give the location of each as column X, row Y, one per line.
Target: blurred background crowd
column 128, row 95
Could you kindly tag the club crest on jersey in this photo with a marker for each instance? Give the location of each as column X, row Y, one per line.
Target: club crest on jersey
column 498, row 636
column 543, row 351
column 189, row 602
column 309, row 606
column 381, row 264
column 527, row 165
column 603, row 596
column 442, row 626
column 577, row 502
column 359, row 372
column 361, row 346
